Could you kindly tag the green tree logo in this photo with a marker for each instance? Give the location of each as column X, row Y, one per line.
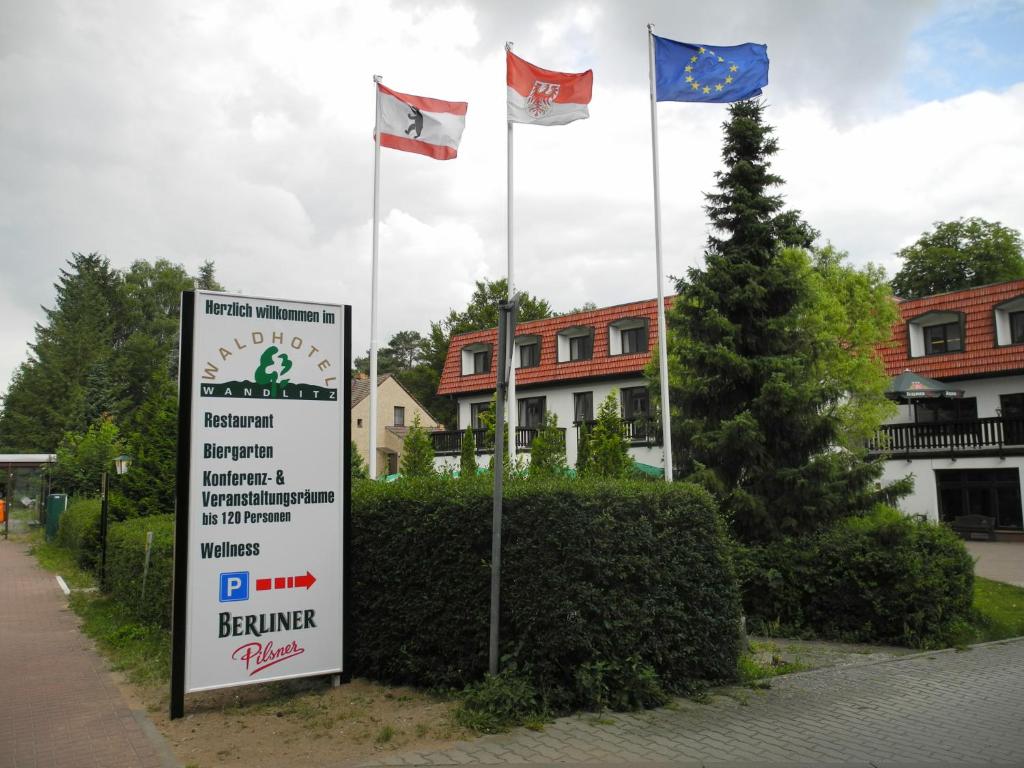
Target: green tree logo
column 271, row 359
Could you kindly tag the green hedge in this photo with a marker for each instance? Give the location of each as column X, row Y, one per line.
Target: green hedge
column 126, row 550
column 79, row 531
column 883, row 578
column 612, row 576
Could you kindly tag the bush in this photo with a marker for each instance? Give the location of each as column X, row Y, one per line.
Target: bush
column 882, row 578
column 500, row 701
column 126, row 551
column 634, row 575
column 79, row 531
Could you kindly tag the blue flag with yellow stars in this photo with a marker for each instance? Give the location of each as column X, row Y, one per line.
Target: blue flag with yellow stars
column 717, row 74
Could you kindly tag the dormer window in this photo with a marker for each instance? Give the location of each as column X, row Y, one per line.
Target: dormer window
column 936, row 333
column 940, row 339
column 627, row 337
column 1009, row 322
column 575, row 344
column 476, row 358
column 529, row 351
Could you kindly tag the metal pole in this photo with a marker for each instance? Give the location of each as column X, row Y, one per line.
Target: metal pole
column 513, row 413
column 499, row 476
column 103, row 529
column 372, row 458
column 666, row 416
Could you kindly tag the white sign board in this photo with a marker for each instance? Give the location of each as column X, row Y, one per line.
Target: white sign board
column 266, row 488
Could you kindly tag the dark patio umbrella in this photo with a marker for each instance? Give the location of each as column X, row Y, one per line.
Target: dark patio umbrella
column 910, row 386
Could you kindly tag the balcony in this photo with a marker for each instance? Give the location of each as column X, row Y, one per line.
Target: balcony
column 449, row 442
column 995, row 436
column 638, row 432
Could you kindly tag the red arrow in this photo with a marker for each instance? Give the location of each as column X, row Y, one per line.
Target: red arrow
column 286, row 582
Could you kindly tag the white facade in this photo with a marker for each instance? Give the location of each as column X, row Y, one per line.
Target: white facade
column 559, row 400
column 925, row 499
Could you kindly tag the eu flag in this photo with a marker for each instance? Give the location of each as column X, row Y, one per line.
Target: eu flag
column 713, row 73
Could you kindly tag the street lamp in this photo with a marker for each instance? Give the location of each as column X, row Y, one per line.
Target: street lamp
column 121, row 464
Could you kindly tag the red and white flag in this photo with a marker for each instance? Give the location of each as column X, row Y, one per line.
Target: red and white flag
column 428, row 127
column 543, row 97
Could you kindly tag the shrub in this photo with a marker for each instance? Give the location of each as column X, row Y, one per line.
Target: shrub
column 882, row 578
column 500, row 701
column 635, row 575
column 79, row 531
column 126, row 551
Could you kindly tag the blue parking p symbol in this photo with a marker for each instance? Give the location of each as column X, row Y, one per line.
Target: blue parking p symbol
column 234, row 586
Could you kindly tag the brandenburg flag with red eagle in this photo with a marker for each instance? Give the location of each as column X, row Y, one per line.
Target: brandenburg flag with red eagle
column 418, row 124
column 542, row 97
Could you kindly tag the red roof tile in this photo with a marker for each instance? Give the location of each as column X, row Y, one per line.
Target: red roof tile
column 980, row 357
column 550, row 370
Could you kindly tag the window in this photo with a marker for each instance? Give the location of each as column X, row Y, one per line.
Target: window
column 940, row 339
column 476, row 358
column 575, row 343
column 581, row 347
column 1017, row 327
column 583, row 407
column 399, row 416
column 529, row 355
column 627, row 336
column 942, row 410
column 634, row 340
column 359, row 422
column 531, row 412
column 1008, row 319
column 989, row 492
column 474, row 414
column 636, row 403
column 1012, row 411
column 481, row 362
column 935, row 333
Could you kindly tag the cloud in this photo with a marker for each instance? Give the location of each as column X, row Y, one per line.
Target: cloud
column 241, row 132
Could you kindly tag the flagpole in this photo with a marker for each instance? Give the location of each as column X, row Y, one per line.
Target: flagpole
column 513, row 410
column 372, row 458
column 666, row 420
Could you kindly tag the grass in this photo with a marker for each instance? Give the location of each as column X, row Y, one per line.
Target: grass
column 1000, row 609
column 141, row 651
column 59, row 561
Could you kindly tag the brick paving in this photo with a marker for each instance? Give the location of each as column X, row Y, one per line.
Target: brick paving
column 944, row 708
column 59, row 706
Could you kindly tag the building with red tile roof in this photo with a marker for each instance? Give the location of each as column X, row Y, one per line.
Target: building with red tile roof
column 566, row 365
column 966, row 452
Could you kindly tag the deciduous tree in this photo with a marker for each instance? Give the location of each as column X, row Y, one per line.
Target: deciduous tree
column 959, row 254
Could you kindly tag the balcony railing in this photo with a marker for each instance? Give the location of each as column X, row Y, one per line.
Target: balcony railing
column 994, row 433
column 449, row 442
column 636, row 431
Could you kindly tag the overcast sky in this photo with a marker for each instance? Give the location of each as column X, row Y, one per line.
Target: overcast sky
column 241, row 131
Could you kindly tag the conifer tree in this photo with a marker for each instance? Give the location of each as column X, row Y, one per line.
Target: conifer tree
column 582, row 450
column 358, row 470
column 417, row 452
column 609, row 451
column 753, row 416
column 547, row 452
column 467, row 459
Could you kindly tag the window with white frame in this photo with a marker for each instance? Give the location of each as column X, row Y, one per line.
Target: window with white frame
column 1009, row 322
column 476, row 358
column 627, row 336
column 575, row 343
column 529, row 351
column 935, row 333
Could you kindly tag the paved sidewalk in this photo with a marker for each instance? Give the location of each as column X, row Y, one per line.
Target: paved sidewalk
column 60, row 705
column 943, row 708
